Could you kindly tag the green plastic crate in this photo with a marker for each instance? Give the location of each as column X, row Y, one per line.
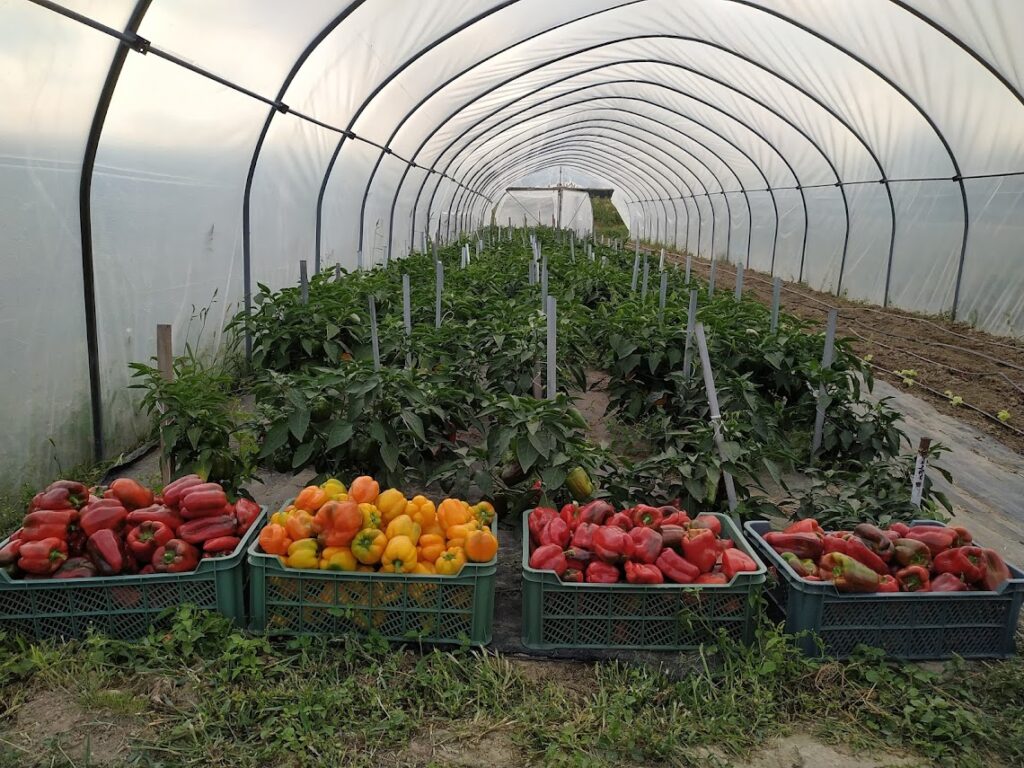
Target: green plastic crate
column 399, row 607
column 906, row 625
column 653, row 617
column 124, row 607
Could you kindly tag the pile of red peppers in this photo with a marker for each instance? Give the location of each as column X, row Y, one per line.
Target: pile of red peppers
column 72, row 532
column 900, row 558
column 596, row 544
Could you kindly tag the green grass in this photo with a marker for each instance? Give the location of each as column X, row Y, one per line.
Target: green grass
column 203, row 694
column 607, row 220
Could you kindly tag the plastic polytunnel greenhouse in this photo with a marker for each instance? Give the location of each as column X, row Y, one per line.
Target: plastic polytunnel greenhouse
column 161, row 156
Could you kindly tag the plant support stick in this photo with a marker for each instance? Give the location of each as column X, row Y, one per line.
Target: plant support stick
column 439, row 274
column 552, row 312
column 920, row 470
column 716, row 416
column 826, row 361
column 776, row 296
column 691, row 319
column 374, row 340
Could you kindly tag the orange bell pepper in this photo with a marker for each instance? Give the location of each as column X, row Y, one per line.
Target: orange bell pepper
column 364, row 490
column 431, row 547
column 391, row 504
column 453, row 512
column 274, row 539
column 311, row 498
column 339, row 522
column 300, row 525
column 422, row 511
column 481, row 546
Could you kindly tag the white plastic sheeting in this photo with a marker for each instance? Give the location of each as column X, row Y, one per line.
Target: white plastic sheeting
column 539, row 206
column 870, row 147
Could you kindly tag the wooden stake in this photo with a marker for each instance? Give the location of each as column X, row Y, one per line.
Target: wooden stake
column 165, row 364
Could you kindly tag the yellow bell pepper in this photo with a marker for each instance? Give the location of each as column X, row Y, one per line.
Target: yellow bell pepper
column 425, row 569
column 371, row 516
column 400, row 556
column 434, row 529
column 368, row 546
column 335, row 489
column 483, row 512
column 451, row 562
column 337, row 559
column 281, row 517
column 403, row 526
column 453, row 512
column 303, row 554
column 462, row 531
column 365, row 569
column 431, row 547
column 391, row 504
column 422, row 511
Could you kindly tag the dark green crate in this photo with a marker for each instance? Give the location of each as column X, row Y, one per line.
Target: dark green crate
column 906, row 625
column 654, row 617
column 124, row 607
column 399, row 607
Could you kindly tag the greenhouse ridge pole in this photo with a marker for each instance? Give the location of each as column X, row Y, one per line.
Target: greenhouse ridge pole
column 85, row 224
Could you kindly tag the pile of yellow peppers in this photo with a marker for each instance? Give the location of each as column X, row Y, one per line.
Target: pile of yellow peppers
column 332, row 527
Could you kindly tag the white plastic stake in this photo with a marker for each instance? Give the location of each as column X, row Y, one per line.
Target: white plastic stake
column 920, row 471
column 303, row 282
column 826, row 361
column 552, row 312
column 739, row 282
column 572, row 248
column 691, row 320
column 688, row 257
column 661, row 261
column 544, row 286
column 647, row 274
column 406, row 305
column 439, row 287
column 711, row 279
column 716, row 416
column 662, row 295
column 636, row 270
column 776, row 297
column 374, row 341
column 337, row 273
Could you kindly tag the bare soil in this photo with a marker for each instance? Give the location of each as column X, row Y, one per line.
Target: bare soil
column 986, row 371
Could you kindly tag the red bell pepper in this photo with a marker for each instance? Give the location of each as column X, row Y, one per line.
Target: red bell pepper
column 570, row 513
column 968, row 562
column 572, row 575
column 198, row 500
column 711, row 578
column 577, row 557
column 9, row 552
column 737, row 561
column 131, row 494
column 724, row 544
column 676, row 568
column 620, row 520
column 888, row 584
column 963, row 536
column 900, row 529
column 146, row 570
column 173, row 491
column 641, row 573
column 674, row 517
column 60, row 496
column 156, row 513
column 913, row 578
column 807, row 525
column 556, row 532
column 612, row 544
column 645, row 516
column 600, row 572
column 104, row 514
column 583, row 536
column 996, row 571
column 802, row 568
column 874, row 538
column 76, row 568
column 145, row 538
column 859, row 551
column 42, row 557
column 708, row 521
column 198, row 531
column 105, row 550
column 596, row 512
column 48, row 523
column 549, row 557
column 176, row 556
column 847, row 574
column 222, row 544
column 935, row 538
column 247, row 512
column 700, row 549
column 646, row 544
column 537, row 520
column 672, row 536
column 911, row 552
column 803, row 545
column 834, row 543
column 947, row 582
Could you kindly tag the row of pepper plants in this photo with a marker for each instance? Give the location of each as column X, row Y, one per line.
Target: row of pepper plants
column 454, row 406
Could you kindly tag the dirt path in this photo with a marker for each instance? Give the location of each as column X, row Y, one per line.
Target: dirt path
column 986, row 371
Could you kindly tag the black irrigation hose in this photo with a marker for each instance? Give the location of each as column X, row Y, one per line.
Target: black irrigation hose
column 986, row 414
